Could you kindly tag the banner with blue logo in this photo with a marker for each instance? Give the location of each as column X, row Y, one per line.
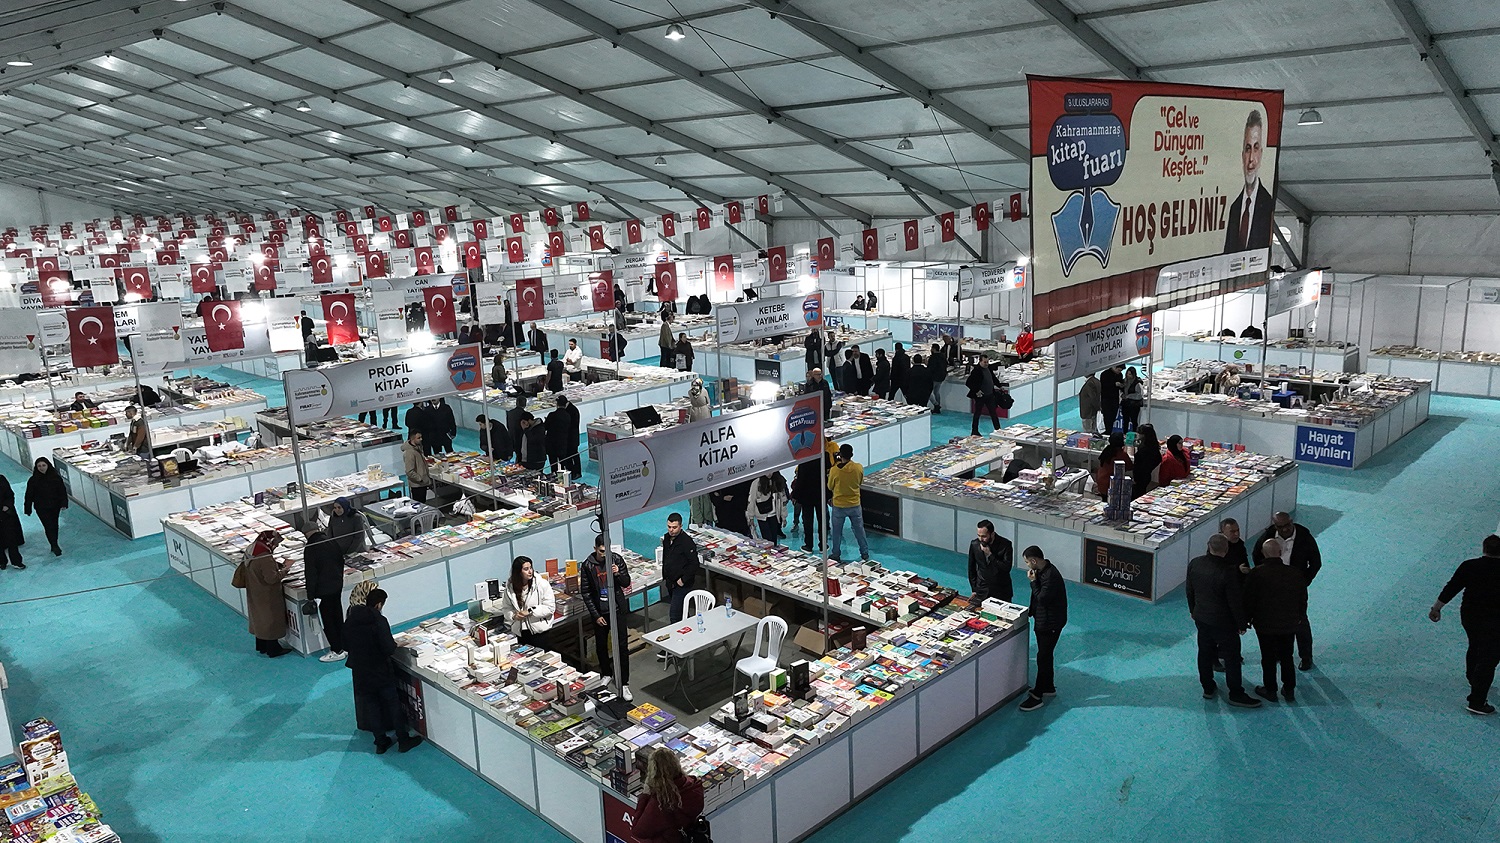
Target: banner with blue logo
column 1145, row 196
column 1325, row 446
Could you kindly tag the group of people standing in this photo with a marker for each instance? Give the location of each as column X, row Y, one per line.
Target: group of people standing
column 1118, row 394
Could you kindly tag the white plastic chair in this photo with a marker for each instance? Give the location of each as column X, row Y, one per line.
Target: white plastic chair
column 697, row 600
column 771, row 630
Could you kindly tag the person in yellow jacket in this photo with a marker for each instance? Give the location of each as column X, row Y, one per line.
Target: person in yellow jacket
column 844, row 480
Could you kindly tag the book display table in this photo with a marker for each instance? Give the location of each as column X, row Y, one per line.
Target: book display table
column 642, row 331
column 904, row 329
column 1359, row 415
column 1291, row 353
column 933, row 498
column 782, row 363
column 1030, row 385
column 115, row 487
column 636, row 386
column 1473, row 373
column 424, row 574
column 64, row 384
column 574, row 765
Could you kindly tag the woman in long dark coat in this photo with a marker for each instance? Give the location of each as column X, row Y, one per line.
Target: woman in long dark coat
column 11, row 535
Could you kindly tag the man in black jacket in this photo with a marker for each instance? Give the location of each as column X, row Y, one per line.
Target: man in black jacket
column 900, row 367
column 493, row 435
column 562, row 437
column 1218, row 608
column 983, row 394
column 419, row 419
column 531, row 449
column 513, row 420
column 882, row 374
column 444, row 427
column 1049, row 614
column 1479, row 580
column 679, row 566
column 1300, row 550
column 557, row 373
column 1111, row 389
column 937, row 367
column 323, row 567
column 593, row 582
column 1276, row 605
column 989, row 564
column 813, row 356
column 917, row 387
column 864, row 372
column 377, row 695
column 817, row 383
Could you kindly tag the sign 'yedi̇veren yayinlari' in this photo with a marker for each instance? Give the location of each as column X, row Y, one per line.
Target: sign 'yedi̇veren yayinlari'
column 364, row 385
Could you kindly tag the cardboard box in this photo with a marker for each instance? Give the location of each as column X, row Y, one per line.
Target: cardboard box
column 810, row 638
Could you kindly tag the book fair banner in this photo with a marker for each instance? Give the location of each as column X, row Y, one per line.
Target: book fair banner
column 19, row 346
column 681, row 462
column 744, row 321
column 1146, row 195
column 365, row 385
column 1293, row 290
column 1096, row 349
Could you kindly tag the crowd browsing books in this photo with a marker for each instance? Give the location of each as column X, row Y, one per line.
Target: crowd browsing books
column 40, row 798
column 633, row 377
column 572, row 713
column 863, row 589
column 555, row 494
column 791, row 346
column 109, row 416
column 562, row 575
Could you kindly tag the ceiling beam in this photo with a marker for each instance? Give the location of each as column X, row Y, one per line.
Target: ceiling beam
column 804, row 23
column 1436, row 60
column 729, row 93
column 446, row 94
column 99, row 39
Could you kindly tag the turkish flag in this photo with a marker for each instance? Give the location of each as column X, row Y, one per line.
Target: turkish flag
column 549, row 216
column 338, row 313
column 109, row 260
column 633, row 232
column 596, row 237
column 202, row 277
column 472, row 254
column 869, row 244
column 602, row 290
column 223, row 326
column 705, row 219
column 440, row 233
column 666, row 281
column 312, row 219
column 557, row 243
column 322, row 270
column 402, row 238
column 517, row 224
column 341, row 216
column 531, row 303
column 1016, row 211
column 827, row 252
column 481, row 230
column 138, row 280
column 669, row 225
column 724, row 273
column 310, row 232
column 946, row 225
column 440, row 316
column 423, row 258
column 361, row 244
column 269, row 251
column 351, row 229
column 450, row 213
column 581, row 212
column 316, row 249
column 166, row 258
column 913, row 234
column 218, row 254
column 385, row 224
column 734, row 212
column 763, row 205
column 776, row 264
column 276, row 238
column 419, row 219
column 515, row 250
column 91, row 333
column 982, row 216
column 375, row 266
column 265, row 277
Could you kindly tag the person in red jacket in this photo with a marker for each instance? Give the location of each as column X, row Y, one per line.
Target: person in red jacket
column 671, row 802
column 1175, row 463
column 1026, row 344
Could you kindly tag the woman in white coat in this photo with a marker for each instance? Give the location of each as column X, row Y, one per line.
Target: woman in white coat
column 528, row 603
column 767, row 506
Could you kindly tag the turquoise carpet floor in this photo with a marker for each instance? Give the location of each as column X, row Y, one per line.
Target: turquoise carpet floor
column 182, row 733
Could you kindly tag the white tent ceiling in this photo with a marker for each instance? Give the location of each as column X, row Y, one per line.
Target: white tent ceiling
column 560, row 101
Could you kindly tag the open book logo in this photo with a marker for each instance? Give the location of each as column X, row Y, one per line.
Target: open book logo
column 1085, row 225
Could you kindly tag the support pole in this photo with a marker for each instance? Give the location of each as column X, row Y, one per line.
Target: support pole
column 609, row 605
column 47, row 368
column 824, row 525
column 297, row 460
column 135, row 371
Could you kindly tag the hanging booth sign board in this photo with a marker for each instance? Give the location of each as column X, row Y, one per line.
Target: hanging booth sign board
column 366, row 385
column 744, row 321
column 1293, row 290
column 681, row 462
column 989, row 279
column 1099, row 348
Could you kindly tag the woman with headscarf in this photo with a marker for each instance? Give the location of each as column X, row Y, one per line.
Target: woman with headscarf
column 48, row 497
column 346, row 527
column 1176, row 464
column 11, row 536
column 260, row 575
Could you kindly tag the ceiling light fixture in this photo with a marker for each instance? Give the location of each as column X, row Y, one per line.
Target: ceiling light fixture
column 303, row 106
column 445, row 78
column 1310, row 117
column 659, row 162
column 675, row 33
column 20, row 61
column 904, row 145
column 199, row 125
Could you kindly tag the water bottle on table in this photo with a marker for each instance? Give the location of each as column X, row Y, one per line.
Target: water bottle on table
column 728, row 606
column 700, row 620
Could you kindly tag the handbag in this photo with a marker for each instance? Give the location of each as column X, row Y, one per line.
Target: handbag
column 308, row 606
column 698, row 831
column 239, row 579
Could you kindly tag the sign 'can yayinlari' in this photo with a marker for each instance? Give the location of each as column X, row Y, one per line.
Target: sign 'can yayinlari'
column 1146, row 195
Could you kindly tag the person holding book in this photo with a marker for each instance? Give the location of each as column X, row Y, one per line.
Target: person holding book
column 346, row 527
column 671, row 802
column 260, row 575
column 1049, row 614
column 323, row 569
column 600, row 572
column 377, row 692
column 528, row 603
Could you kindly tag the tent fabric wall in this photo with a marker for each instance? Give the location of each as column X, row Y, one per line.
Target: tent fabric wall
column 25, row 206
column 1415, row 245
